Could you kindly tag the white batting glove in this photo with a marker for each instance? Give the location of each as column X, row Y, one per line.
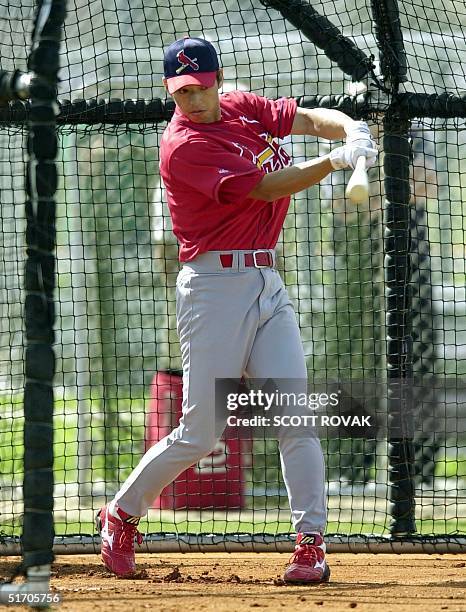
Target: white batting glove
column 358, row 133
column 347, row 156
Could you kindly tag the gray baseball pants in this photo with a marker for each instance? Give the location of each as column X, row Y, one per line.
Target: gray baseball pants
column 231, row 321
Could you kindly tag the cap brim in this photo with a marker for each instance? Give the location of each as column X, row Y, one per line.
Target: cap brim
column 204, row 79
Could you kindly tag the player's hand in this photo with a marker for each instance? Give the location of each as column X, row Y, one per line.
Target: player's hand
column 346, row 156
column 359, row 134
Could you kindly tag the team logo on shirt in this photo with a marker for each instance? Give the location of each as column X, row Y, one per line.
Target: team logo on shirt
column 186, row 62
column 273, row 157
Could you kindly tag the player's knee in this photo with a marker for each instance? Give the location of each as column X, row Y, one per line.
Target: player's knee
column 287, row 441
column 199, row 447
column 206, row 447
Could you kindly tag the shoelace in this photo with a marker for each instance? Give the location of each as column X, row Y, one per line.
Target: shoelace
column 304, row 552
column 128, row 534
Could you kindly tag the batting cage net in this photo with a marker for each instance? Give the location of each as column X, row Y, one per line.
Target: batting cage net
column 379, row 289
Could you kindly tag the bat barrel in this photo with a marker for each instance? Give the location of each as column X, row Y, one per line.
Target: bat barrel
column 357, row 190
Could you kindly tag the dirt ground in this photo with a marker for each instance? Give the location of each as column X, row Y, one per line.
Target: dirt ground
column 223, row 582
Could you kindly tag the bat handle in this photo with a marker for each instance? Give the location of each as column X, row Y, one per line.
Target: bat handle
column 361, row 164
column 358, row 186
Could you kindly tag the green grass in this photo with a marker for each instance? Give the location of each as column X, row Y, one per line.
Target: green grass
column 451, row 467
column 450, row 527
column 272, row 527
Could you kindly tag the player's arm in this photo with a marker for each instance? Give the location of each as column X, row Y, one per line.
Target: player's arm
column 293, row 179
column 322, row 122
column 332, row 125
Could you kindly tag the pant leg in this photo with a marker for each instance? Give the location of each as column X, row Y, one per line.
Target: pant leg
column 217, row 318
column 277, row 353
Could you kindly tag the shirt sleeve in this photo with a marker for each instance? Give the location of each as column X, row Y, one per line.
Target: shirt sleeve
column 276, row 116
column 217, row 173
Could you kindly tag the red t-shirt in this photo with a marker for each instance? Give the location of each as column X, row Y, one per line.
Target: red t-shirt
column 209, row 169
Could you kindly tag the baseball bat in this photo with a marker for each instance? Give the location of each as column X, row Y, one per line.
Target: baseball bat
column 357, row 190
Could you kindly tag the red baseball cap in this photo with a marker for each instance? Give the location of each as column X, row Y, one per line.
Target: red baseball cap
column 190, row 61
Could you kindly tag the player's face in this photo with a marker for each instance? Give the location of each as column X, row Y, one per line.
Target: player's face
column 199, row 104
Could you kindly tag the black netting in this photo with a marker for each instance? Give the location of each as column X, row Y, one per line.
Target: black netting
column 117, row 263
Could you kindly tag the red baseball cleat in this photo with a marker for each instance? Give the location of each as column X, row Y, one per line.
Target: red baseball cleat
column 118, row 531
column 308, row 564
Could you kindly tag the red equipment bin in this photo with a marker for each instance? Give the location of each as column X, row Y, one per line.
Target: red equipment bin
column 216, row 481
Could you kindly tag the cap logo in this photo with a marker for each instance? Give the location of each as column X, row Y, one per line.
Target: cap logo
column 186, row 62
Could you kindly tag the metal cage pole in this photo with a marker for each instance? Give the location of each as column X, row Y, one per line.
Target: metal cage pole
column 398, row 271
column 399, row 345
column 41, row 184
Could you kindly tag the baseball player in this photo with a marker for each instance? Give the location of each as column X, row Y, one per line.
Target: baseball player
column 228, row 183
